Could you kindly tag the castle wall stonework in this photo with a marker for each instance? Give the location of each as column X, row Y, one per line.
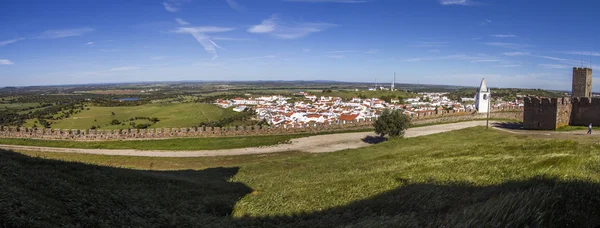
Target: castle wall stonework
column 205, row 132
column 585, row 111
column 546, row 113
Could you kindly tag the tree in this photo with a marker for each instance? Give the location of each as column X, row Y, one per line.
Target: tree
column 392, row 123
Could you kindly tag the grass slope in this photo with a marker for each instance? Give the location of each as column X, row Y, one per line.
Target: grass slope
column 165, row 144
column 170, row 115
column 466, row 178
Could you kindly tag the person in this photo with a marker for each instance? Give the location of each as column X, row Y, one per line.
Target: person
column 590, row 129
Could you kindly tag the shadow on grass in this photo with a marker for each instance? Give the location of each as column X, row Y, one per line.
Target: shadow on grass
column 509, row 125
column 35, row 192
column 374, row 139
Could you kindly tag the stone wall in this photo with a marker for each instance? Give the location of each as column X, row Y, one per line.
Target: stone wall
column 546, row 113
column 585, row 111
column 161, row 133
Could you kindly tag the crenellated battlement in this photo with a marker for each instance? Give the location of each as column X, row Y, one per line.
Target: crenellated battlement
column 546, row 113
column 547, row 101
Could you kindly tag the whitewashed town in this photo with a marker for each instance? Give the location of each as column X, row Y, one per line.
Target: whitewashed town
column 281, row 110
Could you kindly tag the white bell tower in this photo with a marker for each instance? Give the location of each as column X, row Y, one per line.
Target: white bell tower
column 482, row 99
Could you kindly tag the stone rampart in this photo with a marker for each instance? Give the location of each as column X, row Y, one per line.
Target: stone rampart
column 585, row 111
column 546, row 113
column 197, row 132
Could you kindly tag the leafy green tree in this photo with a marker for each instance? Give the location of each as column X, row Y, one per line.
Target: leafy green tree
column 392, row 123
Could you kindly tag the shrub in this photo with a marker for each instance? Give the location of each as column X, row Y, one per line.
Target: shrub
column 392, row 123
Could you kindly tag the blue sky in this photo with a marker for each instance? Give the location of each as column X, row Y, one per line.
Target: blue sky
column 512, row 43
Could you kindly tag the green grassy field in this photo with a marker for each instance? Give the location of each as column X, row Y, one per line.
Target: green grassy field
column 170, row 115
column 164, row 144
column 466, row 178
column 578, row 128
column 18, row 106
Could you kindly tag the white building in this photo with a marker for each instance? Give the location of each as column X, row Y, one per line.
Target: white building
column 482, row 99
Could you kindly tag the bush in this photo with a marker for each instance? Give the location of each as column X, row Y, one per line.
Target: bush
column 115, row 122
column 392, row 123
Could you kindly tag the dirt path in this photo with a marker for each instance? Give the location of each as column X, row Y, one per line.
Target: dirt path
column 312, row 144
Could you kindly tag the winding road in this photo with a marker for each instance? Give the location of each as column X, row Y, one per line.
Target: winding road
column 311, row 144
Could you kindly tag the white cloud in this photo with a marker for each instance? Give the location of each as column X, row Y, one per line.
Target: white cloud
column 434, row 51
column 584, row 53
column 331, row 1
column 280, row 30
column 235, row 5
column 430, row 44
column 199, row 33
column 470, row 58
column 335, row 52
column 89, row 43
column 507, row 45
column 55, row 34
column 173, row 5
column 7, row 42
column 509, row 65
column 485, row 22
column 337, row 56
column 125, row 68
column 517, row 53
column 503, row 35
column 555, row 66
column 181, row 21
column 267, row 26
column 457, row 2
column 6, row 62
column 372, row 51
column 229, row 38
column 203, row 29
column 110, row 50
column 158, row 57
column 258, row 57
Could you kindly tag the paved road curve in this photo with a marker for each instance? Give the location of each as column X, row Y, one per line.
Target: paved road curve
column 312, row 144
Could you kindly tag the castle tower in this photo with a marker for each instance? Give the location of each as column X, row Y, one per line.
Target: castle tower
column 482, row 98
column 582, row 82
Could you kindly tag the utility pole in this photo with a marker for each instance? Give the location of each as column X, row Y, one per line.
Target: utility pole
column 487, row 120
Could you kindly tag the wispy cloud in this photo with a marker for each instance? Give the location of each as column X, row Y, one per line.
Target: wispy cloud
column 372, row 51
column 504, row 35
column 181, row 21
column 274, row 27
column 229, row 38
column 429, row 44
column 555, row 66
column 199, row 33
column 173, row 5
column 434, row 51
column 509, row 65
column 6, row 62
column 485, row 22
column 584, row 53
column 110, row 50
column 517, row 53
column 7, row 42
column 470, row 58
column 158, row 57
column 89, row 43
column 125, row 68
column 337, row 56
column 507, row 45
column 235, row 5
column 343, row 51
column 458, row 2
column 331, row 1
column 56, row 34
column 258, row 57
